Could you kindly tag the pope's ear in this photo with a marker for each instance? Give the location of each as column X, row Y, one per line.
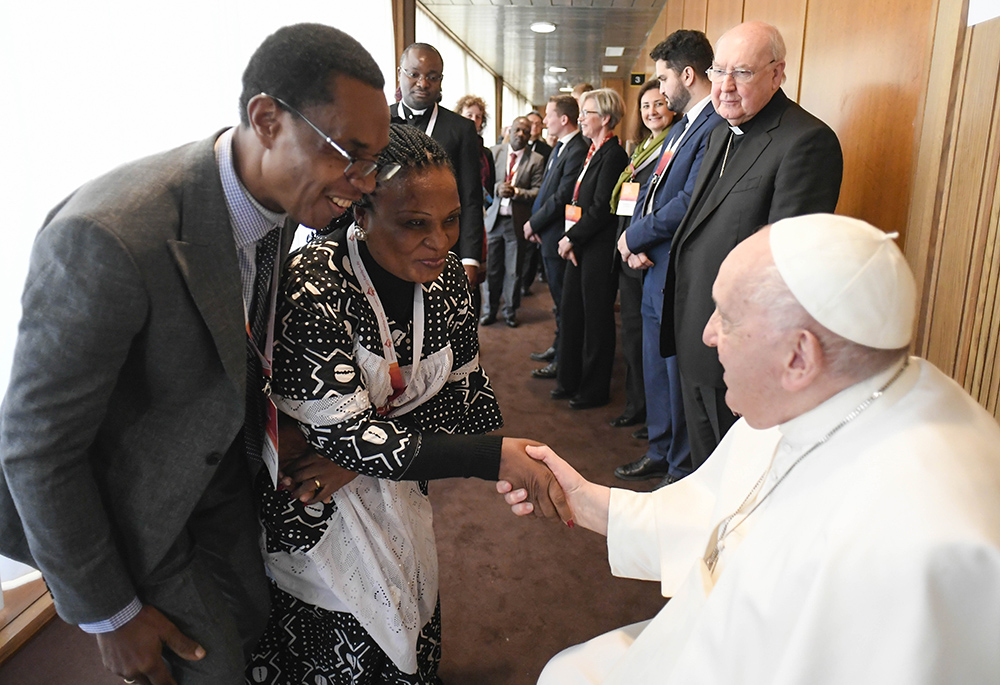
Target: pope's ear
column 805, row 363
column 264, row 116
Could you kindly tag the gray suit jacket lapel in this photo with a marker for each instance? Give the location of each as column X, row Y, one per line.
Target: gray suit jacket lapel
column 206, row 256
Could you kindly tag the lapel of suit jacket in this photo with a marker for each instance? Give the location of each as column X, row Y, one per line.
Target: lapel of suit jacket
column 750, row 151
column 206, row 257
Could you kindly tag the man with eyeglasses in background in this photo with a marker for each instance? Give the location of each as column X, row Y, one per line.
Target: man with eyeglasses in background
column 138, row 411
column 773, row 161
column 420, row 74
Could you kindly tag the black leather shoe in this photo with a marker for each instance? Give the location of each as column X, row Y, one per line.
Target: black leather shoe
column 547, row 371
column 580, row 403
column 667, row 480
column 488, row 319
column 641, row 434
column 546, row 356
column 511, row 321
column 643, row 468
column 625, row 421
column 559, row 394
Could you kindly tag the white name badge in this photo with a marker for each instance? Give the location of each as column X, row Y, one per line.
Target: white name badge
column 628, row 199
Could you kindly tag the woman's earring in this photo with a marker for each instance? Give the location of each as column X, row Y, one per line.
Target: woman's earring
column 362, row 234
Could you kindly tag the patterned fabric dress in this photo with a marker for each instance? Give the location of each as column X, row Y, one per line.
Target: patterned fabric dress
column 355, row 594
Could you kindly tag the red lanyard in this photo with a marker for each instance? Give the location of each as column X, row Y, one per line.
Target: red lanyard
column 594, row 147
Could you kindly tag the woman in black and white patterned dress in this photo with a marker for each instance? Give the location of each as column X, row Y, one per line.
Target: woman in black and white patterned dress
column 355, row 596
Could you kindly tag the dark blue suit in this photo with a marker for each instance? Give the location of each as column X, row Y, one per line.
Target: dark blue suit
column 652, row 234
column 548, row 214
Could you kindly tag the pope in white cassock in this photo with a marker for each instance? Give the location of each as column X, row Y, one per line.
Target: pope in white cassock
column 847, row 529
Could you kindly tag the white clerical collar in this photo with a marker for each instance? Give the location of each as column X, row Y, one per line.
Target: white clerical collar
column 736, row 130
column 815, row 423
column 416, row 112
column 693, row 113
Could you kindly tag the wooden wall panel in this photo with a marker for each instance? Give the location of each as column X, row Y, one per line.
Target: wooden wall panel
column 870, row 91
column 674, row 16
column 695, row 13
column 967, row 208
column 790, row 18
column 722, row 16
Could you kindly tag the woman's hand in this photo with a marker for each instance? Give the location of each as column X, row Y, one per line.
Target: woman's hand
column 540, row 493
column 588, row 501
column 566, row 250
column 313, row 478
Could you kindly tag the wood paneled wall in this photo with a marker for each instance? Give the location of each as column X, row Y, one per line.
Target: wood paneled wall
column 955, row 215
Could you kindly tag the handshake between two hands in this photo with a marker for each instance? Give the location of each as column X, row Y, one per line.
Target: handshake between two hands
column 532, row 479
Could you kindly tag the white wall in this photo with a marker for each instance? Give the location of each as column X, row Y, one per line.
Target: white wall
column 89, row 85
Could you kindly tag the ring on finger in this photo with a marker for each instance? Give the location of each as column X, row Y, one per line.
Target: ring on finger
column 319, row 486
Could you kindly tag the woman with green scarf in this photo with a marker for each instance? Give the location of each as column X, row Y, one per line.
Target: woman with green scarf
column 654, row 124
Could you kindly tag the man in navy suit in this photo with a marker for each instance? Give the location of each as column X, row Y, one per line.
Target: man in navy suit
column 548, row 218
column 681, row 62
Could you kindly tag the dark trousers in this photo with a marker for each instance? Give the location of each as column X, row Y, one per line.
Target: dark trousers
column 630, row 299
column 708, row 418
column 531, row 266
column 587, row 323
column 555, row 273
column 504, row 257
column 211, row 583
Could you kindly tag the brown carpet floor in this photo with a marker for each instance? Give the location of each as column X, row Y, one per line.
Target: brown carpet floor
column 513, row 591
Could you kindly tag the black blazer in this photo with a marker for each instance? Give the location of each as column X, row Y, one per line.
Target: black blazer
column 548, row 213
column 789, row 164
column 458, row 137
column 542, row 148
column 594, row 199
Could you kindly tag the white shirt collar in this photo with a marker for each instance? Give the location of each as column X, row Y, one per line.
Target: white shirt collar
column 693, row 113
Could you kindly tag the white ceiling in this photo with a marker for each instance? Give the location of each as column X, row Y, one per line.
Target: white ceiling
column 498, row 31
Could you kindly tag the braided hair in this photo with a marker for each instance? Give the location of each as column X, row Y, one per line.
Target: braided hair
column 410, row 148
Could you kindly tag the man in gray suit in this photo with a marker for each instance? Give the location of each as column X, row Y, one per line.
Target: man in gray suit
column 519, row 176
column 773, row 161
column 136, row 393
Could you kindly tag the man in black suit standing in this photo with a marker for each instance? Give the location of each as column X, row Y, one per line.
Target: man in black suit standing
column 420, row 74
column 774, row 160
column 548, row 218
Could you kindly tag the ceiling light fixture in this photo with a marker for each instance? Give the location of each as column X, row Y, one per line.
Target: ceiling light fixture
column 557, row 70
column 609, row 68
column 543, row 27
column 614, row 52
column 566, row 89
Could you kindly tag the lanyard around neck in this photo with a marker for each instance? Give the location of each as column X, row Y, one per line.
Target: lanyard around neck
column 385, row 335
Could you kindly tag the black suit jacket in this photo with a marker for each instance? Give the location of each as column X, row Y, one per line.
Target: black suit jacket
column 460, row 140
column 548, row 213
column 594, row 199
column 789, row 164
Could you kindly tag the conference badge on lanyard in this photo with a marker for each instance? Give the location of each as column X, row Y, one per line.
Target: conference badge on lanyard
column 269, row 450
column 573, row 214
column 628, row 199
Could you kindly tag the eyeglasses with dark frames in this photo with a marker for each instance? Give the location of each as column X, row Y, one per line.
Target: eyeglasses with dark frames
column 363, row 168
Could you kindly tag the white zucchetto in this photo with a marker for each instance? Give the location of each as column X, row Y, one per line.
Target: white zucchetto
column 850, row 276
